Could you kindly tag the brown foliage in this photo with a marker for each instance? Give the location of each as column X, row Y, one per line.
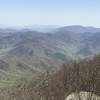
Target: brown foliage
column 74, row 76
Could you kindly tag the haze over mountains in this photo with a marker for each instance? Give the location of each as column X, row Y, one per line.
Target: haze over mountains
column 80, row 29
column 28, row 51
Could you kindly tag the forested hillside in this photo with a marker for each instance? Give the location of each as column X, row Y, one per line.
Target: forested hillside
column 74, row 76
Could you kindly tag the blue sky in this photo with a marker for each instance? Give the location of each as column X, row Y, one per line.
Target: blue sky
column 50, row 12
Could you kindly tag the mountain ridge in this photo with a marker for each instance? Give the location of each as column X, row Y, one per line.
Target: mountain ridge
column 40, row 52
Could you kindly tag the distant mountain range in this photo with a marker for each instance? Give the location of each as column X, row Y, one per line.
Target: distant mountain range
column 27, row 51
column 51, row 28
column 79, row 29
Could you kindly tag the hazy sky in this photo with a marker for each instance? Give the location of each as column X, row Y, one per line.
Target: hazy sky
column 50, row 12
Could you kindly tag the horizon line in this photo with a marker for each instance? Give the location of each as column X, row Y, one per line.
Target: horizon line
column 37, row 25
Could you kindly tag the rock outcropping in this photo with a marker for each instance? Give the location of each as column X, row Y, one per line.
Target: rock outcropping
column 82, row 96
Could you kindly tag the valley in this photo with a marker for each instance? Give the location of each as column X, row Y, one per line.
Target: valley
column 24, row 53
